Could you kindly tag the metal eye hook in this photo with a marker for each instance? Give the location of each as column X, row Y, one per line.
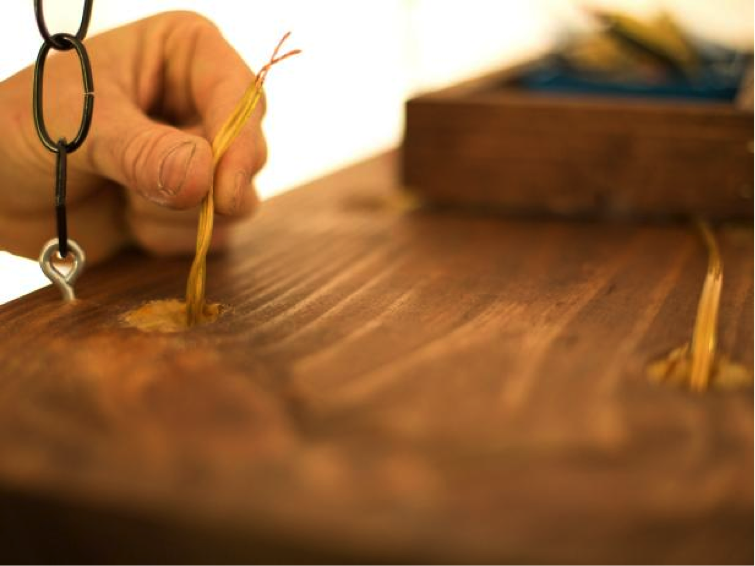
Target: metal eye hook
column 64, row 282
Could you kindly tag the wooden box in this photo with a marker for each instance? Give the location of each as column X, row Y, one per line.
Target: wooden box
column 491, row 142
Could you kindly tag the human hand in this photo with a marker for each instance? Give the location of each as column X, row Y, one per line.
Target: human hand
column 163, row 88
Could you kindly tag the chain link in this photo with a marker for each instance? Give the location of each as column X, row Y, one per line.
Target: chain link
column 61, row 148
column 39, row 76
column 86, row 16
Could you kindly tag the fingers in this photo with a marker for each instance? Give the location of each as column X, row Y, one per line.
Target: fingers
column 163, row 164
column 201, row 63
column 161, row 231
column 203, row 80
column 139, row 207
column 173, row 238
column 97, row 224
column 235, row 194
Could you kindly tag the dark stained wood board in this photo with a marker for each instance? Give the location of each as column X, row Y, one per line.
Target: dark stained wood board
column 388, row 385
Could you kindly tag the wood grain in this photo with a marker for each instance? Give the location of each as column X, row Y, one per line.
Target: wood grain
column 488, row 142
column 389, row 384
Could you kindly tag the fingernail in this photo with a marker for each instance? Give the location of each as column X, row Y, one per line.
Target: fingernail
column 174, row 168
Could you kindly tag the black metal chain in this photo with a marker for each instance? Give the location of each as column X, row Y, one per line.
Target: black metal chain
column 61, row 148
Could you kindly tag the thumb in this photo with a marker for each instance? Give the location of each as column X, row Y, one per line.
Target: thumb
column 162, row 163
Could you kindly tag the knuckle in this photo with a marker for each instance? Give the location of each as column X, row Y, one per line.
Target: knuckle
column 189, row 18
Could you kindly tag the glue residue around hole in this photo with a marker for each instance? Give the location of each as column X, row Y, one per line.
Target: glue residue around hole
column 167, row 316
column 676, row 367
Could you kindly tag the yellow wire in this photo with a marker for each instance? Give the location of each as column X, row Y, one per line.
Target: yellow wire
column 703, row 347
column 195, row 286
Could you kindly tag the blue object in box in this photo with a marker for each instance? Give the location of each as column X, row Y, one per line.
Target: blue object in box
column 718, row 81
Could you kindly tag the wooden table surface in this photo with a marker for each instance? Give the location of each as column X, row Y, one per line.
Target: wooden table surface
column 389, row 384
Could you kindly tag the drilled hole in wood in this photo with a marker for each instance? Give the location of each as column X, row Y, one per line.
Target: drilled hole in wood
column 675, row 369
column 168, row 316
